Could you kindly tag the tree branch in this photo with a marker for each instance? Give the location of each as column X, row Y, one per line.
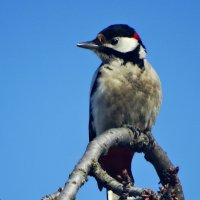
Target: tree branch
column 139, row 142
column 110, row 183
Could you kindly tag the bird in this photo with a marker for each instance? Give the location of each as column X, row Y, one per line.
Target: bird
column 125, row 90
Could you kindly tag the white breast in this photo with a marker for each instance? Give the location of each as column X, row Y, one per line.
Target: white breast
column 125, row 95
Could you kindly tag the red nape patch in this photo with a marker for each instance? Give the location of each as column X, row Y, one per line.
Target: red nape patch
column 136, row 36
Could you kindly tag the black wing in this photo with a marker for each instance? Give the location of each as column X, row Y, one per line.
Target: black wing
column 94, row 85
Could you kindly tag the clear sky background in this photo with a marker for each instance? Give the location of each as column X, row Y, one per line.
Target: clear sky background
column 45, row 82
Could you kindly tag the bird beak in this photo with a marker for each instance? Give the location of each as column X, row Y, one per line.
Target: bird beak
column 89, row 45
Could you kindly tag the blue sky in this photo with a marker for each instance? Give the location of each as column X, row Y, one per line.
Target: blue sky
column 45, row 81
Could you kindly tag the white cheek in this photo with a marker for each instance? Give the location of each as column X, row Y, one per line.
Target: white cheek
column 126, row 44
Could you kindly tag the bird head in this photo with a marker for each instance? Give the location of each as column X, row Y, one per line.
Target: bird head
column 117, row 41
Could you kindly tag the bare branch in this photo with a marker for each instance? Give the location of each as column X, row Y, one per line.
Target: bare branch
column 139, row 143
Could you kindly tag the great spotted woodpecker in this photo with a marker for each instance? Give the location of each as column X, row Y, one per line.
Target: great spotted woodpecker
column 125, row 90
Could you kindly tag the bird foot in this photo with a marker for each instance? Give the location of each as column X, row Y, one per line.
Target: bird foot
column 134, row 129
column 127, row 182
column 125, row 178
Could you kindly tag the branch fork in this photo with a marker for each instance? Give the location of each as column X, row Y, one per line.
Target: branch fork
column 143, row 142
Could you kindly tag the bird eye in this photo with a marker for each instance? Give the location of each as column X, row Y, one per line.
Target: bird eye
column 114, row 41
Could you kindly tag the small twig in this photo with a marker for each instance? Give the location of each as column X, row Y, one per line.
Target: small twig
column 110, row 183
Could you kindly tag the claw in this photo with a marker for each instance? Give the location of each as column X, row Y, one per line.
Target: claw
column 134, row 129
column 127, row 182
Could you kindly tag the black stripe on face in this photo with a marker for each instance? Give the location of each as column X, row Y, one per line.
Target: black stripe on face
column 131, row 56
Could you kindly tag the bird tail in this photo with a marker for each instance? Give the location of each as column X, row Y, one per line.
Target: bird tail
column 112, row 196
